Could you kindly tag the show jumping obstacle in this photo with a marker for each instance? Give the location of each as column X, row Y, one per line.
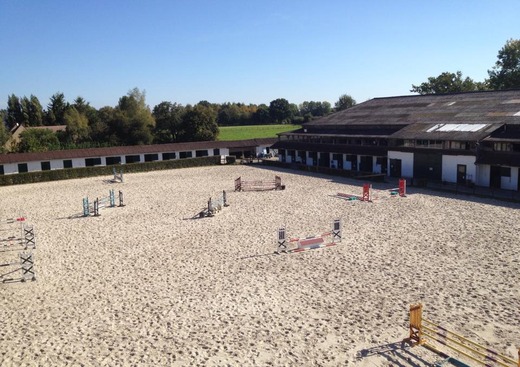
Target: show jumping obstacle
column 118, row 177
column 24, row 239
column 365, row 197
column 401, row 190
column 326, row 239
column 25, row 265
column 423, row 332
column 214, row 206
column 276, row 184
column 92, row 208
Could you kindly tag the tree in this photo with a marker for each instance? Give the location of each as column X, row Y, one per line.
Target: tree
column 345, row 101
column 132, row 121
column 280, row 110
column 56, row 109
column 199, row 123
column 32, row 111
column 168, row 118
column 447, row 83
column 506, row 72
column 14, row 111
column 38, row 140
column 4, row 134
column 261, row 115
column 77, row 125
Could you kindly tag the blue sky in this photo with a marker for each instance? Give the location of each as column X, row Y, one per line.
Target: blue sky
column 244, row 51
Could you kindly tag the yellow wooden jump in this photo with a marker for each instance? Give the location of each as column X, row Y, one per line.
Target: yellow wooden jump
column 423, row 332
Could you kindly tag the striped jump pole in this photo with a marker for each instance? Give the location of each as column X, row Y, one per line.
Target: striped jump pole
column 424, row 332
column 326, row 239
column 25, row 266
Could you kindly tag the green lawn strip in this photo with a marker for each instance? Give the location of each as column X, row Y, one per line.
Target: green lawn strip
column 230, row 133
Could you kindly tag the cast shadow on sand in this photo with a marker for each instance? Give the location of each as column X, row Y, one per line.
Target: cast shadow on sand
column 400, row 354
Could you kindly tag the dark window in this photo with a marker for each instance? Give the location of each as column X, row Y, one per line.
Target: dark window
column 151, row 157
column 168, row 156
column 46, row 166
column 505, row 171
column 185, row 154
column 90, row 162
column 113, row 160
column 22, row 167
column 201, row 153
column 1, row 169
column 67, row 163
column 216, row 151
column 132, row 159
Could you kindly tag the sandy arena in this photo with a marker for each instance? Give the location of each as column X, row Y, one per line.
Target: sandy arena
column 146, row 285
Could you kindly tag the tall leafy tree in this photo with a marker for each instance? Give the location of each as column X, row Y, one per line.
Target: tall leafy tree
column 4, row 135
column 261, row 115
column 56, row 109
column 448, row 83
column 14, row 111
column 345, row 101
column 280, row 110
column 506, row 72
column 133, row 121
column 168, row 119
column 199, row 123
column 32, row 111
column 77, row 125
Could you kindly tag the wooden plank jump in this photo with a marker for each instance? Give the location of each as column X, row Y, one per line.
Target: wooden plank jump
column 400, row 190
column 25, row 268
column 323, row 240
column 366, row 195
column 242, row 185
column 424, row 332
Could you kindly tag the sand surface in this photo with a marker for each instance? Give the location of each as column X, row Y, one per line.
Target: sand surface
column 146, row 285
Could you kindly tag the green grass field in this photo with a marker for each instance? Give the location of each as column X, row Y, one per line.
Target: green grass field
column 229, row 133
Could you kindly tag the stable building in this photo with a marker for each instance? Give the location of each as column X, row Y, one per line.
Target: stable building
column 76, row 158
column 464, row 138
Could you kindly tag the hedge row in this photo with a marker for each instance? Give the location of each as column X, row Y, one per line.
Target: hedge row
column 71, row 173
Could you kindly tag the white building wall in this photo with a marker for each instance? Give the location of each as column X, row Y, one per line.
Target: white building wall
column 10, row 168
column 406, row 162
column 377, row 167
column 449, row 167
column 510, row 183
column 483, row 175
column 78, row 162
column 57, row 164
column 34, row 166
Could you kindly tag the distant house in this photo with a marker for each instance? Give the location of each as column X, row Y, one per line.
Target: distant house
column 18, row 129
column 63, row 159
column 460, row 138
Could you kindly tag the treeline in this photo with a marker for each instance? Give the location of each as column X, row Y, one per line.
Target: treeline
column 133, row 122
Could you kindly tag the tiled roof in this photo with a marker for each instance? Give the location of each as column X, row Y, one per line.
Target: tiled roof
column 490, row 107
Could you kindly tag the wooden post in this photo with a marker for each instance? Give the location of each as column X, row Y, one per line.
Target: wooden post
column 416, row 323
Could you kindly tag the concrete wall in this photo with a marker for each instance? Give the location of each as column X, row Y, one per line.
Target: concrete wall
column 406, row 162
column 449, row 167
